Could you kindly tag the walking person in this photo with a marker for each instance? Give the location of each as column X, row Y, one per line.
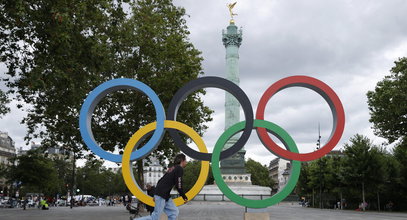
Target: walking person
column 162, row 198
column 25, row 202
column 150, row 192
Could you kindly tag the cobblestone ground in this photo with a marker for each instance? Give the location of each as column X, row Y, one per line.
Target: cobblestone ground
column 195, row 211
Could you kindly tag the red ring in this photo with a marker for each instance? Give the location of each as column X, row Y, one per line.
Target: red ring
column 327, row 93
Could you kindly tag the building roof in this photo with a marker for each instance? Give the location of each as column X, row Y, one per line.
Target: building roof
column 6, row 141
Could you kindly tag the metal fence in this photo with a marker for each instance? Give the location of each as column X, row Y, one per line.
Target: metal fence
column 222, row 197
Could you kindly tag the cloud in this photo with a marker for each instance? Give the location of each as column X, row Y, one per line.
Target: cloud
column 349, row 45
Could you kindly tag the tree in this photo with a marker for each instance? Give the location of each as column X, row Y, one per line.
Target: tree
column 56, row 52
column 322, row 177
column 259, row 173
column 387, row 103
column 363, row 165
column 63, row 168
column 303, row 189
column 399, row 180
column 3, row 103
column 94, row 179
column 335, row 178
column 191, row 173
column 318, row 181
column 391, row 188
column 34, row 173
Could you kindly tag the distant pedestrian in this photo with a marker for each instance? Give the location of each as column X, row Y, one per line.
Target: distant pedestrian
column 389, row 206
column 44, row 205
column 25, row 202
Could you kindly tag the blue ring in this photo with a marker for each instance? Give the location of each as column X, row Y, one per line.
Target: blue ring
column 93, row 99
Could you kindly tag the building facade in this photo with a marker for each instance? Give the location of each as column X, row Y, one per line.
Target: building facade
column 153, row 171
column 115, row 169
column 7, row 151
column 279, row 171
column 7, row 148
column 52, row 152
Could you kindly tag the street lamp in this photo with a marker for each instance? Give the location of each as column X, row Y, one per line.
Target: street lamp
column 319, row 166
column 73, row 178
column 83, row 187
column 285, row 175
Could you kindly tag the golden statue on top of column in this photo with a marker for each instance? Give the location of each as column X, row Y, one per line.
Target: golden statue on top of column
column 231, row 6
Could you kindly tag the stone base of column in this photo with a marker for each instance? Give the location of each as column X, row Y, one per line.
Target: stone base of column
column 256, row 216
column 237, row 178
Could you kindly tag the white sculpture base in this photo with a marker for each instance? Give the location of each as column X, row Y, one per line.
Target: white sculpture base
column 212, row 192
column 244, row 179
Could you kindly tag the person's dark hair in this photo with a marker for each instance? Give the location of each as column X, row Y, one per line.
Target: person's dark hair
column 179, row 158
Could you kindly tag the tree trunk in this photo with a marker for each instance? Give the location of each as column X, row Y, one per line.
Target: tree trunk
column 363, row 196
column 313, row 198
column 73, row 179
column 378, row 201
column 320, row 197
column 140, row 175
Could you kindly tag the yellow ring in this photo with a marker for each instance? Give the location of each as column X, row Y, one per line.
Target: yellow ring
column 128, row 173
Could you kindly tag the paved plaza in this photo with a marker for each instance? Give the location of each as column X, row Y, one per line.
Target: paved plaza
column 195, row 211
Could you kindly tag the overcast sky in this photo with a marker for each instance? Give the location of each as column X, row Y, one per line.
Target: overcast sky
column 349, row 45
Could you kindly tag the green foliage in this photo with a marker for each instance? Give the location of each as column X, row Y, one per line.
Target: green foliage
column 364, row 169
column 303, row 188
column 56, row 52
column 35, row 173
column 317, row 171
column 387, row 103
column 3, row 104
column 259, row 173
column 191, row 173
column 400, row 154
column 94, row 179
column 363, row 163
column 64, row 171
column 323, row 177
column 398, row 181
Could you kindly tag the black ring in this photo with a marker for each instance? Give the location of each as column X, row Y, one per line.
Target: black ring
column 220, row 83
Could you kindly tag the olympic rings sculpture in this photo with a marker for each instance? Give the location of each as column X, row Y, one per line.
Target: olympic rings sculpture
column 168, row 121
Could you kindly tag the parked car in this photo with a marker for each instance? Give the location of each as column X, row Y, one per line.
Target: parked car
column 9, row 202
column 61, row 202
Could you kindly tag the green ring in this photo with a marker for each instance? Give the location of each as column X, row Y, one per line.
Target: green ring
column 279, row 133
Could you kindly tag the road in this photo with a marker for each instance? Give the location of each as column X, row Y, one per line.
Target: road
column 195, row 211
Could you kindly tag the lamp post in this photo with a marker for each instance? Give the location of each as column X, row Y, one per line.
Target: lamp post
column 73, row 179
column 319, row 166
column 285, row 175
column 77, row 192
column 83, row 187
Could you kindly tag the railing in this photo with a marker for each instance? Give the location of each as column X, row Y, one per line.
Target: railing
column 222, row 197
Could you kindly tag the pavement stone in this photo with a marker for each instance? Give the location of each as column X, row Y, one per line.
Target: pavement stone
column 197, row 210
